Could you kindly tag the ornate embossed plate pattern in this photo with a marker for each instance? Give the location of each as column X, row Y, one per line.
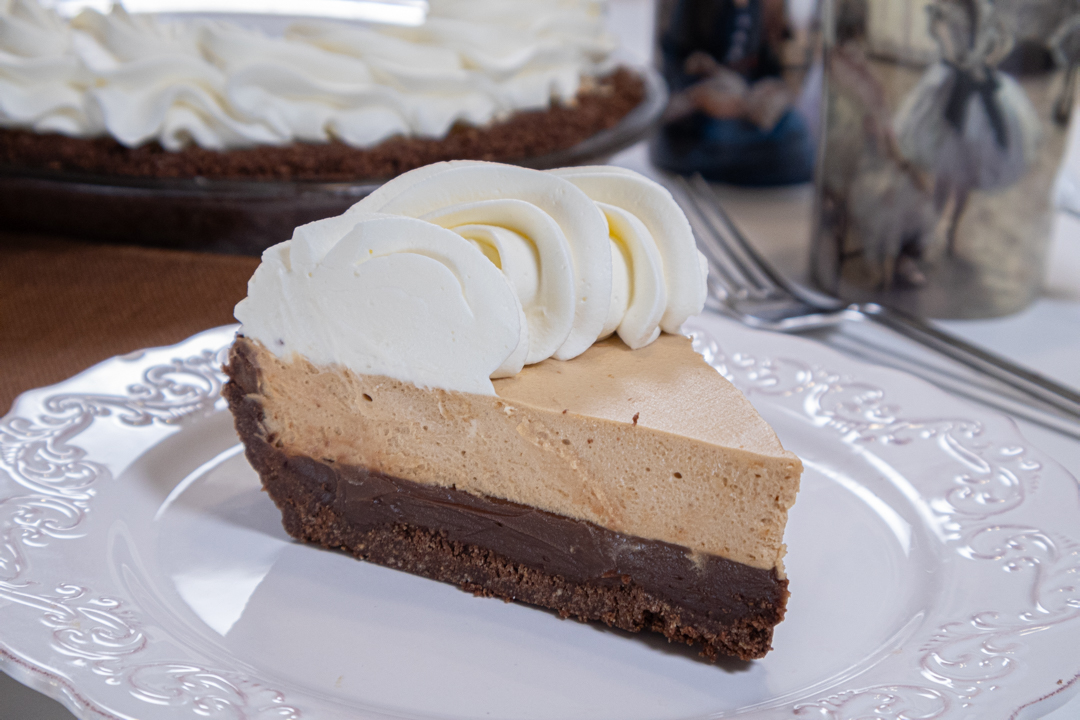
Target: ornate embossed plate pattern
column 934, row 564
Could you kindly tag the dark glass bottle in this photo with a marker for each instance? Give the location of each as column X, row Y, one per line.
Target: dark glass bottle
column 731, row 116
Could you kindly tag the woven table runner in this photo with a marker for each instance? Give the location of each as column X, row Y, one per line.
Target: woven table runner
column 66, row 305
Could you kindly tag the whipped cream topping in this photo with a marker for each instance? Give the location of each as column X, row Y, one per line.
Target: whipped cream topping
column 463, row 271
column 220, row 85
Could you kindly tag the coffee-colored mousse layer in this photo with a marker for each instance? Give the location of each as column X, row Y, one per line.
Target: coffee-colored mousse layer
column 650, row 443
column 503, row 549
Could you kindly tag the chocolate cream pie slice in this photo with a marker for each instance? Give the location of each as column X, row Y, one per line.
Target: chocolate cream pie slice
column 475, row 375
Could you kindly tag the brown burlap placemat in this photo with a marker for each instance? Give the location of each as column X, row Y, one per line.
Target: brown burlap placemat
column 66, row 305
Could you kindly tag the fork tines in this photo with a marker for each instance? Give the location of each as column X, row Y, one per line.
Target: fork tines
column 735, row 268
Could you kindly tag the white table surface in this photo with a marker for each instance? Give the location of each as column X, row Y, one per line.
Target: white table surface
column 1045, row 337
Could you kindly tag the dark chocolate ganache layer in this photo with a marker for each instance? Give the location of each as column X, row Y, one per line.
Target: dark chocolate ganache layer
column 711, row 586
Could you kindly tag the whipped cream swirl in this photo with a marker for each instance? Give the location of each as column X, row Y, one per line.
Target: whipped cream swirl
column 460, row 272
column 221, row 86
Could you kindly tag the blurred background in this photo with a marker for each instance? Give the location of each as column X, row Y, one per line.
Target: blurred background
column 938, row 132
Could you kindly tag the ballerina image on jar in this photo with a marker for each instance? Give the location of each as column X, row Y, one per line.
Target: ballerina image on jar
column 876, row 207
column 968, row 124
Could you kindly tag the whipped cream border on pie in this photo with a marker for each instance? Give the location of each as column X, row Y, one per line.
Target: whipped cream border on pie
column 219, row 85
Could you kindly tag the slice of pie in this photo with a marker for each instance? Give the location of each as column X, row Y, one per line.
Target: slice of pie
column 633, row 486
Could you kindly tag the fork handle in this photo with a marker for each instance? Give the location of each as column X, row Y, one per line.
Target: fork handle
column 1031, row 383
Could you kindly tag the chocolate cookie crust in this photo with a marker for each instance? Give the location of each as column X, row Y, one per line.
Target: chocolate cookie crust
column 523, row 135
column 501, row 549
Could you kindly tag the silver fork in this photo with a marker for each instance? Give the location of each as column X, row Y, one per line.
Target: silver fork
column 744, row 286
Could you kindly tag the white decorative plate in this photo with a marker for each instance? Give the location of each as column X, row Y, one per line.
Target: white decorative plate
column 934, row 564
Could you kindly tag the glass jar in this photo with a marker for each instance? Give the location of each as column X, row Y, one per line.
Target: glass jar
column 942, row 134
